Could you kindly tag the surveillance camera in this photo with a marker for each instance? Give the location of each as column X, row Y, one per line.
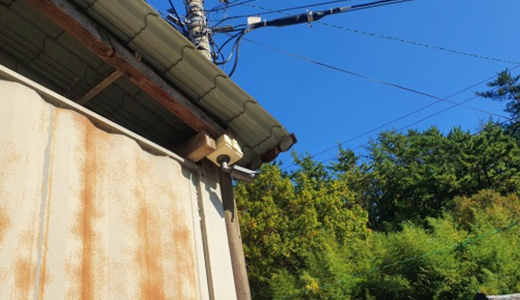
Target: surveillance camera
column 237, row 172
column 243, row 174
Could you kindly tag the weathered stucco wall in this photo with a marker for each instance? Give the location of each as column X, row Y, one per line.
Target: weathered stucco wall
column 88, row 214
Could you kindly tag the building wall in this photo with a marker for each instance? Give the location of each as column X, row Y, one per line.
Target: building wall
column 89, row 211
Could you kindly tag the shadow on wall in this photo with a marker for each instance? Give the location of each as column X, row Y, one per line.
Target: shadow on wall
column 211, row 188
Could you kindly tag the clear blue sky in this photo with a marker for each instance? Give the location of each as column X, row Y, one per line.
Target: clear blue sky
column 324, row 107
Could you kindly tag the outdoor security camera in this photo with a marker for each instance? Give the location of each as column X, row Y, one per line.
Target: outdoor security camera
column 237, row 172
column 243, row 174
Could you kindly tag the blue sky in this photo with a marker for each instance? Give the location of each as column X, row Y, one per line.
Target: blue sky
column 324, row 107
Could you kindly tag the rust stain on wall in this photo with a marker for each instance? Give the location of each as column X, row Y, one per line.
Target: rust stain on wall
column 11, row 162
column 152, row 280
column 25, row 269
column 85, row 226
column 183, row 251
column 5, row 222
column 23, row 276
column 149, row 251
column 44, row 279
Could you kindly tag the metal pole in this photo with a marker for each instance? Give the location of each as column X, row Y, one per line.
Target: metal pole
column 198, row 31
column 238, row 260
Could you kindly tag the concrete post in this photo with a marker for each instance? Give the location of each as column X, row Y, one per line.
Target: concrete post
column 198, row 31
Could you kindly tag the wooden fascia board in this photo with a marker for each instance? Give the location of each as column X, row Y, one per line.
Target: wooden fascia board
column 109, row 49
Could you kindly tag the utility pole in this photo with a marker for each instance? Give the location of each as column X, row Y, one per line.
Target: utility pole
column 198, row 31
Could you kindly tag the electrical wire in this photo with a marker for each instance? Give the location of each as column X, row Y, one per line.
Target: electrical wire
column 383, row 82
column 463, row 53
column 402, row 128
column 351, row 8
column 183, row 29
column 403, row 117
column 409, row 114
column 229, row 5
column 391, row 84
column 224, row 45
column 236, row 48
column 419, row 44
column 237, row 53
column 279, row 11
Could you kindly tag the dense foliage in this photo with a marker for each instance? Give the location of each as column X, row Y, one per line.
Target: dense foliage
column 421, row 215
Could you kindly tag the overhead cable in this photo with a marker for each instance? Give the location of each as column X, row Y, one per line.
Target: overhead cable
column 178, row 18
column 383, row 82
column 229, row 5
column 385, row 37
column 272, row 11
column 405, row 116
column 314, row 16
column 420, row 44
column 235, row 48
column 400, row 129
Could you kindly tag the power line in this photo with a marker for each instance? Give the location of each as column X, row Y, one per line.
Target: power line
column 235, row 48
column 350, row 8
column 229, row 5
column 393, row 85
column 364, row 180
column 237, row 43
column 395, row 120
column 296, row 19
column 316, row 16
column 282, row 10
column 382, row 126
column 398, row 130
column 383, row 82
column 178, row 20
column 420, row 44
column 463, row 53
column 403, row 117
column 310, row 16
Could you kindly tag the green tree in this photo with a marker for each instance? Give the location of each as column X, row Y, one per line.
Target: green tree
column 506, row 88
column 306, row 232
column 413, row 176
column 286, row 222
column 474, row 248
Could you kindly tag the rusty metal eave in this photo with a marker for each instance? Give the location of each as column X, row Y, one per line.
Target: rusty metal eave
column 272, row 154
column 109, row 49
column 60, row 101
column 140, row 28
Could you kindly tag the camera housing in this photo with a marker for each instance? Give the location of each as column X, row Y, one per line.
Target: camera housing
column 237, row 172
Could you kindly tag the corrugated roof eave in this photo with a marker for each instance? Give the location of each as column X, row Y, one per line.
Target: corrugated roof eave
column 141, row 28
